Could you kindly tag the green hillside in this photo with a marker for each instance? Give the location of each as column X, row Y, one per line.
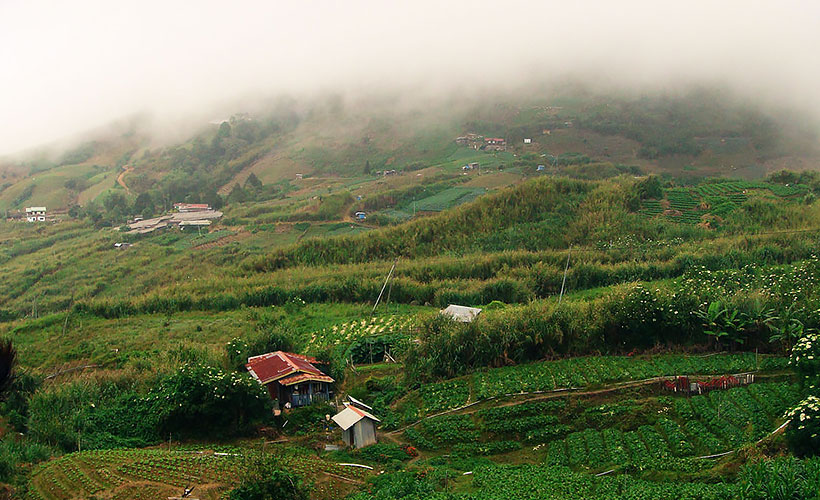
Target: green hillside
column 647, row 331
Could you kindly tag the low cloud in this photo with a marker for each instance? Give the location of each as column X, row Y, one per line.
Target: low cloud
column 72, row 66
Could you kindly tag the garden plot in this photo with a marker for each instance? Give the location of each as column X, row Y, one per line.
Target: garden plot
column 353, row 330
column 146, row 473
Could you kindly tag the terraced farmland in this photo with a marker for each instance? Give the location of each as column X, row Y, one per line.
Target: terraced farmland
column 690, row 204
column 583, row 372
column 154, row 473
column 661, row 427
column 448, row 198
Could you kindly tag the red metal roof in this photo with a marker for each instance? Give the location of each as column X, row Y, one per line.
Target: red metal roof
column 304, row 377
column 276, row 365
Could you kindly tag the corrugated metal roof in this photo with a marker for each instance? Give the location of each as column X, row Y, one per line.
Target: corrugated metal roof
column 304, row 377
column 350, row 415
column 461, row 313
column 276, row 365
column 359, row 403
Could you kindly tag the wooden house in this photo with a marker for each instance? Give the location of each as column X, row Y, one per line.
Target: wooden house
column 291, row 379
column 357, row 423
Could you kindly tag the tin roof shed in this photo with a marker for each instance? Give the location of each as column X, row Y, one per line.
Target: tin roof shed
column 461, row 313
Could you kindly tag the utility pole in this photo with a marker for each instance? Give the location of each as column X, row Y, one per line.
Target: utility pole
column 384, row 286
column 564, row 281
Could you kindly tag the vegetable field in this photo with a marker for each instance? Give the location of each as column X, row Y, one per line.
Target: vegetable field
column 584, row 372
column 620, row 433
column 690, row 204
column 152, row 473
column 448, row 198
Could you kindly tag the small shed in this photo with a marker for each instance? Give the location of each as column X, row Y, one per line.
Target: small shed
column 361, row 216
column 358, row 426
column 527, row 141
column 461, row 313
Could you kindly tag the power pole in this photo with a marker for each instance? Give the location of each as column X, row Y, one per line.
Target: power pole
column 384, row 286
column 564, row 281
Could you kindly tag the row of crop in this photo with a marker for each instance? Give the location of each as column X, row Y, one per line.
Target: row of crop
column 707, row 424
column 96, row 471
column 582, row 372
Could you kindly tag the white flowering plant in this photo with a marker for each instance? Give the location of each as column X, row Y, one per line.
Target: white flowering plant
column 203, row 400
column 805, row 359
column 236, row 352
column 803, row 431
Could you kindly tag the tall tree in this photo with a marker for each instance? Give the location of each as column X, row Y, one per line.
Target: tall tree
column 237, row 195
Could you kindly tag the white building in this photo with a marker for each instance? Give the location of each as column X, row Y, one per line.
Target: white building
column 463, row 314
column 358, row 425
column 36, row 214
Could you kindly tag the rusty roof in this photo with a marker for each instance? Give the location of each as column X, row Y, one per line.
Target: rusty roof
column 277, row 365
column 303, row 377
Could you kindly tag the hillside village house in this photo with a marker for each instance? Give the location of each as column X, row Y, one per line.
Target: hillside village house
column 191, row 207
column 495, row 144
column 36, row 214
column 291, row 379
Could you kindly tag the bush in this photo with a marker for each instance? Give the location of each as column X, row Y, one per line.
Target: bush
column 266, row 479
column 803, row 432
column 805, row 359
column 383, row 453
column 195, row 401
column 201, row 400
column 308, row 418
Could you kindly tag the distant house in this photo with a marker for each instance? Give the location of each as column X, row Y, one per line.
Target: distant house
column 527, row 141
column 357, row 423
column 290, row 378
column 468, row 140
column 495, row 144
column 299, row 177
column 361, row 216
column 463, row 314
column 540, row 168
column 36, row 214
column 191, row 207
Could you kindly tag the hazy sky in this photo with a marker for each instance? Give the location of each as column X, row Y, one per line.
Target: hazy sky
column 67, row 66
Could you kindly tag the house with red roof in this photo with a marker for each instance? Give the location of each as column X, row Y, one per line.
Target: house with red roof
column 291, row 378
column 192, row 207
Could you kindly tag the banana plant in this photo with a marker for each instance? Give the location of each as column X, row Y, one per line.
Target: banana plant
column 787, row 328
column 721, row 323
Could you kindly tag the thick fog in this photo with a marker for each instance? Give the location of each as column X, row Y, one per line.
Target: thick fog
column 71, row 66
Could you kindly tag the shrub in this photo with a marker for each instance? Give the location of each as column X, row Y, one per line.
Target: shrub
column 383, row 453
column 265, row 479
column 805, row 359
column 201, row 400
column 803, row 432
